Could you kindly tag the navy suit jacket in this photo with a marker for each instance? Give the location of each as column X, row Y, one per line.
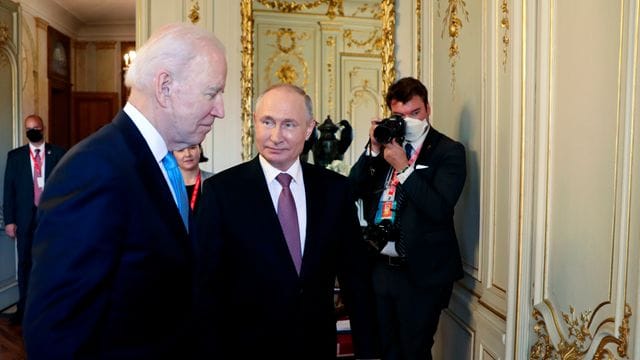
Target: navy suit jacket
column 261, row 305
column 18, row 207
column 425, row 217
column 111, row 256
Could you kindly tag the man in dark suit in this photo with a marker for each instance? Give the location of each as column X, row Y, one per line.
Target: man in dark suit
column 28, row 168
column 409, row 194
column 111, row 252
column 274, row 259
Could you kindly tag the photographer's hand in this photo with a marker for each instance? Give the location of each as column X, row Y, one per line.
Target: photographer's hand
column 376, row 147
column 395, row 155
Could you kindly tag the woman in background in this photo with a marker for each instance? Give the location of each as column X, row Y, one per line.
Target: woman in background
column 189, row 159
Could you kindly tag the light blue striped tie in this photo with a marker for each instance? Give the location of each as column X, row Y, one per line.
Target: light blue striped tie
column 175, row 177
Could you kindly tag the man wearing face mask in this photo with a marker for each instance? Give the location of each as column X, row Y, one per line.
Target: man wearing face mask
column 26, row 172
column 409, row 187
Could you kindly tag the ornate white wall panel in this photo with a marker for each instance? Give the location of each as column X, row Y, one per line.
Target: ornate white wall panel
column 583, row 146
column 360, row 99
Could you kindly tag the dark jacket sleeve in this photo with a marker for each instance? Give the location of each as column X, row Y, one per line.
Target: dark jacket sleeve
column 10, row 192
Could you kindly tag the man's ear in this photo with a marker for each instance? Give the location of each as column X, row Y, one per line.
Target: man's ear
column 163, row 82
column 310, row 128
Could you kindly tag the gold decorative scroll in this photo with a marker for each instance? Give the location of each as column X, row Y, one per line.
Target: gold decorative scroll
column 505, row 25
column 331, row 66
column 374, row 42
column 452, row 24
column 419, row 39
column 579, row 337
column 384, row 43
column 289, row 7
column 388, row 60
column 194, row 13
column 4, row 34
column 246, row 77
column 288, row 60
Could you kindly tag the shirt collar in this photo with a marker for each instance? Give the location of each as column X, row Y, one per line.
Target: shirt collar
column 33, row 148
column 271, row 172
column 149, row 133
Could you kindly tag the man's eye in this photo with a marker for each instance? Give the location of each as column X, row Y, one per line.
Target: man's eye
column 289, row 125
column 268, row 123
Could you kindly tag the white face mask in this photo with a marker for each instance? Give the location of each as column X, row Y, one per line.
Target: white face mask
column 414, row 128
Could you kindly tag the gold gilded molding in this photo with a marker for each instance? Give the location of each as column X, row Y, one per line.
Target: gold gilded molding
column 386, row 15
column 286, row 43
column 578, row 337
column 388, row 60
column 452, row 24
column 194, row 13
column 419, row 39
column 4, row 33
column 246, row 77
column 331, row 66
column 373, row 43
column 41, row 23
column 506, row 26
column 289, row 7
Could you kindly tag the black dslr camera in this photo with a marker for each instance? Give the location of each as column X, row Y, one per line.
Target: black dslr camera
column 378, row 235
column 390, row 128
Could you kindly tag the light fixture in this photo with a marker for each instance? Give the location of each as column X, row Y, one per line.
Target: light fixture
column 129, row 57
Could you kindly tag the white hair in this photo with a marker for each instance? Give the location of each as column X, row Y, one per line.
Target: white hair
column 172, row 47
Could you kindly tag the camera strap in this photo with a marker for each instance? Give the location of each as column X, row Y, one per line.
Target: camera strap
column 387, row 205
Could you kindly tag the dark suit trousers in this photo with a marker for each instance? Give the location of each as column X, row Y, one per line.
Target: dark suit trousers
column 408, row 315
column 25, row 241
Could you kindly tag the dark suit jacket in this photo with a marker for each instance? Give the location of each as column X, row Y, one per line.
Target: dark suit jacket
column 264, row 308
column 425, row 217
column 111, row 256
column 18, row 185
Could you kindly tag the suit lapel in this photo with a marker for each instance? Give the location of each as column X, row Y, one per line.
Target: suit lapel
column 429, row 144
column 314, row 214
column 151, row 175
column 25, row 166
column 263, row 205
column 49, row 162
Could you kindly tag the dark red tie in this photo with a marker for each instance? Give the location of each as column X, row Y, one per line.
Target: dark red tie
column 37, row 173
column 288, row 217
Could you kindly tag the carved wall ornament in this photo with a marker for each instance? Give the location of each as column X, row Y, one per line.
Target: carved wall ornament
column 452, row 24
column 4, row 34
column 246, row 77
column 289, row 6
column 194, row 13
column 288, row 59
column 578, row 337
column 373, row 43
column 293, row 65
column 505, row 25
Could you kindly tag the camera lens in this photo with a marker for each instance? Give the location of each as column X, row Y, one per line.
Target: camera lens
column 383, row 134
column 389, row 129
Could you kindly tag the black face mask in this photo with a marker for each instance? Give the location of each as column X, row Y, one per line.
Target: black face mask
column 34, row 135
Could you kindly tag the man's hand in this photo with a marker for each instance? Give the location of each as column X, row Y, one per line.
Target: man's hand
column 395, row 155
column 376, row 147
column 11, row 229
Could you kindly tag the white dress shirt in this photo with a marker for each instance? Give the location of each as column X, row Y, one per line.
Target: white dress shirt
column 297, row 190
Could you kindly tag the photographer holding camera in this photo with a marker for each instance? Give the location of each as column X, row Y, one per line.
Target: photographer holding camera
column 409, row 179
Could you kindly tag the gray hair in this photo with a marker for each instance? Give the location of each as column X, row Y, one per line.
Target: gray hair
column 171, row 47
column 294, row 88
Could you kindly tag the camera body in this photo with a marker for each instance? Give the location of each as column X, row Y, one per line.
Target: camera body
column 390, row 128
column 378, row 235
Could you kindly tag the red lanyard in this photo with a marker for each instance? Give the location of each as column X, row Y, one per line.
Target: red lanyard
column 196, row 188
